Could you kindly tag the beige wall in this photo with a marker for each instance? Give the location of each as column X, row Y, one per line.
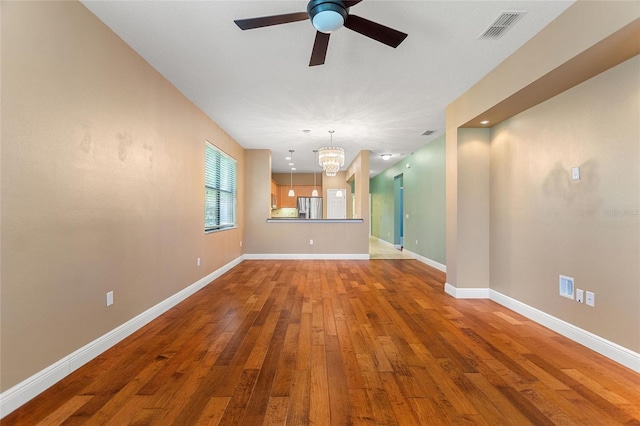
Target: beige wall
column 544, row 224
column 280, row 238
column 575, row 37
column 102, row 185
column 257, row 196
column 358, row 171
column 473, row 207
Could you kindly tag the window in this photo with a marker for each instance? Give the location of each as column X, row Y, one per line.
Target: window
column 219, row 189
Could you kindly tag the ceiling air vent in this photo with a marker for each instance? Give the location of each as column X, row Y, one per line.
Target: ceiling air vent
column 501, row 24
column 428, row 132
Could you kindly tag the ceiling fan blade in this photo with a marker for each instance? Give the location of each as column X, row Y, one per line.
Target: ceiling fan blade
column 319, row 51
column 349, row 3
column 266, row 21
column 376, row 31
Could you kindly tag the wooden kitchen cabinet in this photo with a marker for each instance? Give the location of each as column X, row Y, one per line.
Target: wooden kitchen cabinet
column 285, row 200
column 300, row 190
column 275, row 195
column 304, row 190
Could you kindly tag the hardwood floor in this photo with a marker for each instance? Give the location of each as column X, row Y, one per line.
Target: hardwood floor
column 340, row 342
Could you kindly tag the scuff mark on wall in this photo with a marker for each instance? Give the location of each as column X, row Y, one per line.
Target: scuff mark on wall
column 580, row 196
column 124, row 142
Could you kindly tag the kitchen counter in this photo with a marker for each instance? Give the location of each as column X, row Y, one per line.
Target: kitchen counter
column 297, row 220
column 282, row 213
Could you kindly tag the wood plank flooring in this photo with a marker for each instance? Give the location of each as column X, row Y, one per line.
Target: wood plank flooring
column 340, row 343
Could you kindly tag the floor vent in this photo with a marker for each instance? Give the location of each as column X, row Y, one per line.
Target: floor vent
column 501, row 24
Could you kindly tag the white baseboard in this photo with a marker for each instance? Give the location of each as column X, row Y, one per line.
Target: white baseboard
column 29, row 388
column 466, row 293
column 439, row 266
column 307, row 256
column 611, row 350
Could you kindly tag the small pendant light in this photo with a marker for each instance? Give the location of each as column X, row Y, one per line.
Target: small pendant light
column 314, row 193
column 291, row 192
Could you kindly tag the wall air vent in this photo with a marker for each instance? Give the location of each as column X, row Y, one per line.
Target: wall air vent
column 501, row 24
column 428, row 132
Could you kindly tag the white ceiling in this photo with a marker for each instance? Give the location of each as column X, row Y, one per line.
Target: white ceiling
column 258, row 87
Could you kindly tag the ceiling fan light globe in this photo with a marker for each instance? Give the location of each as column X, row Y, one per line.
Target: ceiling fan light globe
column 327, row 16
column 328, row 21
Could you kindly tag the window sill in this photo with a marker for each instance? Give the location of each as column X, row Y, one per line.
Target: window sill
column 211, row 231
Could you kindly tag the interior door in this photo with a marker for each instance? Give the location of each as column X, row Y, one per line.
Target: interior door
column 336, row 206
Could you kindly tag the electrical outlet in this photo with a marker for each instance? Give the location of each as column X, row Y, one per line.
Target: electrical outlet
column 416, row 242
column 310, row 242
column 110, row 298
column 579, row 295
column 198, row 261
column 591, row 299
column 240, row 243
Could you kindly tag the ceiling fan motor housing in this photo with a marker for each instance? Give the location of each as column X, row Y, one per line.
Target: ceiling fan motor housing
column 327, row 16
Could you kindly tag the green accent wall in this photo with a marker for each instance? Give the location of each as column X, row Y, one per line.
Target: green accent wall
column 424, row 201
column 397, row 209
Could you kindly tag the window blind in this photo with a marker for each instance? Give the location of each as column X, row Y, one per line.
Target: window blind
column 219, row 189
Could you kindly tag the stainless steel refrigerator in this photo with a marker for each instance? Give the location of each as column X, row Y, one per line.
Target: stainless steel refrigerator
column 310, row 207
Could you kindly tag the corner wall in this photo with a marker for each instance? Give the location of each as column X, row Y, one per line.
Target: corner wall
column 103, row 173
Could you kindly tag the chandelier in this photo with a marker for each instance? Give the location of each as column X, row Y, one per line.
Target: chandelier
column 331, row 158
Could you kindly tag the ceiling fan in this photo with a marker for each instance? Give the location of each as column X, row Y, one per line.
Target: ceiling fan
column 328, row 16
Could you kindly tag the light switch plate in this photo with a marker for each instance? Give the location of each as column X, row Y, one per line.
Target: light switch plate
column 579, row 295
column 591, row 299
column 575, row 173
column 110, row 298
